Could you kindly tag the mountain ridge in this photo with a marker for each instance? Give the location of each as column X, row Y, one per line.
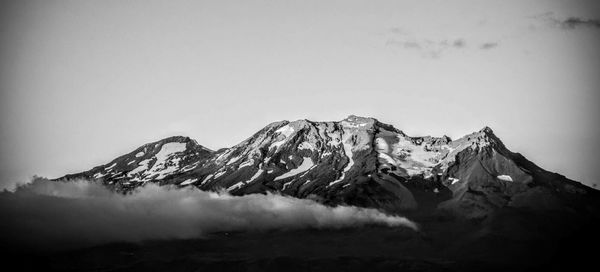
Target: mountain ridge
column 355, row 161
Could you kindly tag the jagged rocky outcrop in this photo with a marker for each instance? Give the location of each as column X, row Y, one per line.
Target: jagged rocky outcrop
column 357, row 161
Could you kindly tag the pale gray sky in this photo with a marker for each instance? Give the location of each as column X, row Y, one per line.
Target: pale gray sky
column 85, row 81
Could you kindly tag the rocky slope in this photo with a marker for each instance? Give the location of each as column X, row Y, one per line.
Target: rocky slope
column 357, row 161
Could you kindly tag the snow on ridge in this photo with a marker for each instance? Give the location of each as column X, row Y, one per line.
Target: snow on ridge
column 286, row 130
column 307, row 163
column 188, row 181
column 139, row 154
column 99, row 175
column 224, row 154
column 143, row 165
column 206, row 179
column 218, row 174
column 326, row 153
column 387, row 158
column 306, row 146
column 110, row 167
column 417, row 158
column 354, row 122
column 348, row 151
column 417, row 152
column 236, row 186
column 190, row 167
column 277, row 144
column 164, row 164
column 243, row 183
column 285, row 185
column 505, row 178
column 167, row 150
column 249, row 162
column 233, row 160
column 335, row 138
column 162, row 159
column 256, row 175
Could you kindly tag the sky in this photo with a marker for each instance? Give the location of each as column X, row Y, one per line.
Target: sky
column 82, row 82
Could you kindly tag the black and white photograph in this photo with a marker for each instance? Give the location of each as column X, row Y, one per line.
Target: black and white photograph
column 299, row 135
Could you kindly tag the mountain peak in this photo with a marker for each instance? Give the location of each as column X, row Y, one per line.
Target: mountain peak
column 175, row 138
column 486, row 130
column 359, row 119
column 483, row 137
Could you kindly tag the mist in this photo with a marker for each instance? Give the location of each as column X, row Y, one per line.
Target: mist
column 56, row 215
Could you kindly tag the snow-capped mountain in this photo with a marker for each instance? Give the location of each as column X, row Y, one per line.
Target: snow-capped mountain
column 357, row 161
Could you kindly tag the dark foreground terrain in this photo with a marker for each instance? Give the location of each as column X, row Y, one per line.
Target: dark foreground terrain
column 510, row 241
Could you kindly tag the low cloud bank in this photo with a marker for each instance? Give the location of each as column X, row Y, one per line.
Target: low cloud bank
column 48, row 214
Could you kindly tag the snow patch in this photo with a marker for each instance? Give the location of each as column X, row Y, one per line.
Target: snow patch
column 286, row 130
column 249, row 162
column 348, row 151
column 99, row 175
column 335, row 138
column 306, row 146
column 190, row 167
column 256, row 175
column 382, row 145
column 236, row 186
column 233, row 160
column 206, row 179
column 244, row 183
column 505, row 178
column 276, row 145
column 387, row 158
column 410, row 154
column 188, row 181
column 143, row 165
column 223, row 154
column 163, row 166
column 306, row 164
column 453, row 180
column 139, row 154
column 285, row 185
column 217, row 175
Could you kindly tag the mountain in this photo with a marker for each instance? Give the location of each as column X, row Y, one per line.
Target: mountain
column 357, row 161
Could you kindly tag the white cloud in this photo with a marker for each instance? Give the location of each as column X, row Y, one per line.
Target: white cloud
column 82, row 213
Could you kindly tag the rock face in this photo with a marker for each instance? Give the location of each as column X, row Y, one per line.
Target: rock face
column 357, row 161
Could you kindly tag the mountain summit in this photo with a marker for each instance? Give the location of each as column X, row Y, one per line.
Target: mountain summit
column 356, row 161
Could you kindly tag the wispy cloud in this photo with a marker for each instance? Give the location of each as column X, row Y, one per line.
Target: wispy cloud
column 567, row 23
column 574, row 22
column 487, row 46
column 428, row 47
column 459, row 43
